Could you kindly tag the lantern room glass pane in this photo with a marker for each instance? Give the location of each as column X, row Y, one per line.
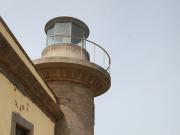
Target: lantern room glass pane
column 63, row 29
column 62, row 32
column 50, row 36
column 77, row 33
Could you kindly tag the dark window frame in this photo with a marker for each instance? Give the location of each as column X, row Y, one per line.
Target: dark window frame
column 18, row 120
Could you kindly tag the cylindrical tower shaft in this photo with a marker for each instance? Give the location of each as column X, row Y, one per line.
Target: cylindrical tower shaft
column 77, row 104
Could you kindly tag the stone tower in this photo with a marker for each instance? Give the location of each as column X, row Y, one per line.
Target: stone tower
column 74, row 76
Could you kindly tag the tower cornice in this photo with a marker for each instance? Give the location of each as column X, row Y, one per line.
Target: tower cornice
column 74, row 70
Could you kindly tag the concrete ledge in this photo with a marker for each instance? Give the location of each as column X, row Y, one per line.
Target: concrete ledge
column 69, row 69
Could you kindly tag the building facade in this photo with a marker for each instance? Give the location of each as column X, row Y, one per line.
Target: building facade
column 52, row 95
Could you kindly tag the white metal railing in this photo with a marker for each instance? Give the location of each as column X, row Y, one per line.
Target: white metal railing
column 98, row 55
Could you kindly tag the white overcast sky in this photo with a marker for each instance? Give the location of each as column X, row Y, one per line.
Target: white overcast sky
column 143, row 40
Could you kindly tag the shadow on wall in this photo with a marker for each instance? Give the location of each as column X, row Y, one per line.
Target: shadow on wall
column 61, row 127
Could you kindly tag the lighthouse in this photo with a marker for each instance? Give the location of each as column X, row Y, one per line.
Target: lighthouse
column 73, row 69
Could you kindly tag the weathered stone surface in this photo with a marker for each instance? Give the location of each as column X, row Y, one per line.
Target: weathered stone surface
column 64, row 50
column 77, row 104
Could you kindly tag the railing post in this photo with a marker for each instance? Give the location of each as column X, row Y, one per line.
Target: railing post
column 81, row 47
column 94, row 52
column 84, row 43
column 104, row 59
column 65, row 47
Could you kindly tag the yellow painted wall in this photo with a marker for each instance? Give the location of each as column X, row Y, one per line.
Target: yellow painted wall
column 17, row 49
column 11, row 100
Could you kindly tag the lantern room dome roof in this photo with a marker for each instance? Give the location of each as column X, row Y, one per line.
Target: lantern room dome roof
column 67, row 19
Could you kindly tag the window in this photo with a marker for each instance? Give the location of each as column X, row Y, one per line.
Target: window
column 20, row 126
column 21, row 131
